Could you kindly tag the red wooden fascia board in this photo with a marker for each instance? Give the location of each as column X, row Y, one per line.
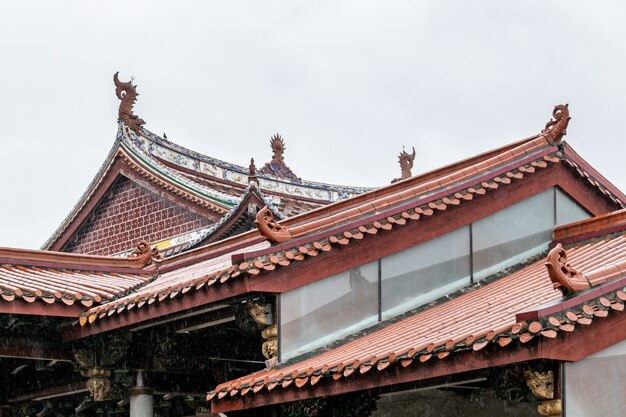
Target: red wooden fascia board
column 38, row 308
column 207, row 295
column 574, row 156
column 395, row 210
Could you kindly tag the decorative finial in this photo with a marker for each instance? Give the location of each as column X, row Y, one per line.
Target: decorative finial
column 277, row 166
column 269, row 228
column 127, row 93
column 557, row 126
column 563, row 276
column 252, row 171
column 406, row 164
column 145, row 253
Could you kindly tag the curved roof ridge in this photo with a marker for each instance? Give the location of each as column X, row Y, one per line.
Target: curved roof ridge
column 340, row 191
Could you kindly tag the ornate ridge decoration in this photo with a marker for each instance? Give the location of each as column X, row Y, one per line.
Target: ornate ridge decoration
column 127, row 93
column 269, row 228
column 145, row 253
column 557, row 126
column 252, row 171
column 564, row 277
column 277, row 166
column 406, row 164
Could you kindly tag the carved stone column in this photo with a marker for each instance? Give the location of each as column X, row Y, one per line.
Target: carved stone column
column 141, row 400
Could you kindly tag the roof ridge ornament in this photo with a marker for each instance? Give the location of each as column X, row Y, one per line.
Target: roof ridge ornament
column 269, row 228
column 277, row 166
column 406, row 164
column 145, row 253
column 556, row 128
column 564, row 277
column 127, row 93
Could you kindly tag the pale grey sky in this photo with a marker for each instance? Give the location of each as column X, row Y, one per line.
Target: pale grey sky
column 346, row 83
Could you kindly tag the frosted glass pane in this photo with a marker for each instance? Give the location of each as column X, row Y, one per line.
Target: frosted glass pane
column 425, row 272
column 595, row 386
column 567, row 210
column 513, row 234
column 321, row 312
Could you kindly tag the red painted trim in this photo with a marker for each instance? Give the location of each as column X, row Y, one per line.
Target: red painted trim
column 40, row 308
column 207, row 295
column 585, row 341
column 397, row 210
column 573, row 155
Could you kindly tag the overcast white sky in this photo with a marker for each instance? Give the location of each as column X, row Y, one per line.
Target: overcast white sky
column 346, row 83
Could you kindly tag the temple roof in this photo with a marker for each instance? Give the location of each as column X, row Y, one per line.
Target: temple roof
column 514, row 309
column 405, row 202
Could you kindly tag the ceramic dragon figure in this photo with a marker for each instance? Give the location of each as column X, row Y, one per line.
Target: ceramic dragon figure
column 127, row 93
column 406, row 164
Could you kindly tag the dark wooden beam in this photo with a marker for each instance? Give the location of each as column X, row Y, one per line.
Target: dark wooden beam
column 52, row 392
column 35, row 349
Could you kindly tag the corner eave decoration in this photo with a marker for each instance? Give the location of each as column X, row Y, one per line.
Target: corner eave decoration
column 146, row 253
column 127, row 93
column 269, row 228
column 556, row 128
column 564, row 277
column 406, row 164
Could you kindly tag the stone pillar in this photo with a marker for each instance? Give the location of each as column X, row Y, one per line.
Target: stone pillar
column 141, row 401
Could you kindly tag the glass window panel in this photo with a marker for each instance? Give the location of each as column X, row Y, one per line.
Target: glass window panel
column 595, row 386
column 425, row 272
column 513, row 234
column 567, row 210
column 321, row 312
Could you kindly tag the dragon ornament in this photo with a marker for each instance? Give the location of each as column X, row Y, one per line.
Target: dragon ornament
column 406, row 164
column 564, row 277
column 145, row 253
column 269, row 228
column 556, row 128
column 127, row 93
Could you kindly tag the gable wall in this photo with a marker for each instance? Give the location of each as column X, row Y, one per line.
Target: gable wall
column 128, row 213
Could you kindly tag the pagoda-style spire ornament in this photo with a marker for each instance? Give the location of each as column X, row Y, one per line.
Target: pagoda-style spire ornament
column 269, row 228
column 563, row 276
column 277, row 166
column 557, row 126
column 252, row 172
column 146, row 253
column 406, row 164
column 127, row 93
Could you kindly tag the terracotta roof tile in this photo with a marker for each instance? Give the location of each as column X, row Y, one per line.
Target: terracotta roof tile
column 484, row 316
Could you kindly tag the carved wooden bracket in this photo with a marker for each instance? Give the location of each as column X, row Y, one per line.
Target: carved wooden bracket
column 557, row 126
column 564, row 277
column 269, row 228
column 262, row 314
column 127, row 93
column 541, row 384
column 145, row 253
column 98, row 383
column 406, row 164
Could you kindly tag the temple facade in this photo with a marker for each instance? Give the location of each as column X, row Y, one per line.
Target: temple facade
column 184, row 285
